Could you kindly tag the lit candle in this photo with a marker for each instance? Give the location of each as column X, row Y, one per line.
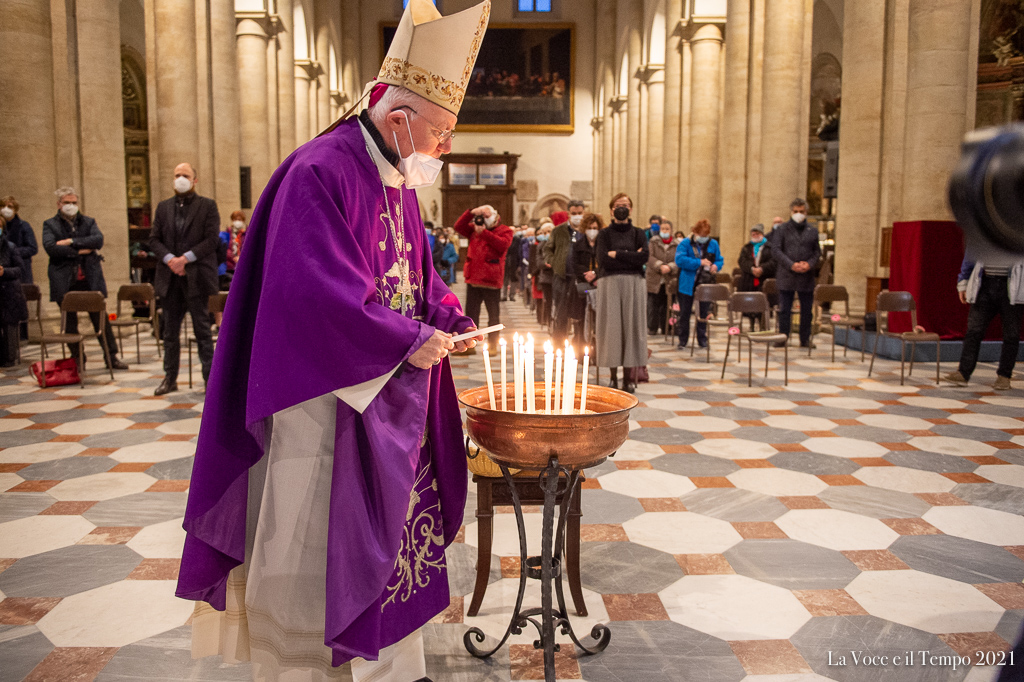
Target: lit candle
column 487, row 371
column 548, row 361
column 517, row 361
column 558, row 380
column 586, row 371
column 531, row 394
column 504, row 391
column 569, row 390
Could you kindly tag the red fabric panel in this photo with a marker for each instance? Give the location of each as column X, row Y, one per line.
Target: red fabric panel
column 925, row 260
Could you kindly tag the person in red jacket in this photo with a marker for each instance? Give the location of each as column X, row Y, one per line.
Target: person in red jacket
column 484, row 271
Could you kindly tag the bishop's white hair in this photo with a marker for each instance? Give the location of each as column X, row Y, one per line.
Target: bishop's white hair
column 393, row 98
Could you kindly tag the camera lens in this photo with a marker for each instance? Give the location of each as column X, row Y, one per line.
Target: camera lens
column 479, row 220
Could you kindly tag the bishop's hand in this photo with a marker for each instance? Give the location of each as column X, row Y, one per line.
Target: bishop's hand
column 432, row 351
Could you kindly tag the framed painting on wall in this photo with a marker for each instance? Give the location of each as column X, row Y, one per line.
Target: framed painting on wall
column 522, row 82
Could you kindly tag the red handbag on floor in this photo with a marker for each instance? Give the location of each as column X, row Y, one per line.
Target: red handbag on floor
column 58, row 372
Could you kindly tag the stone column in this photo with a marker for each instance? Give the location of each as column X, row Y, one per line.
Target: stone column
column 351, row 33
column 732, row 163
column 286, row 76
column 273, row 96
column 302, row 81
column 686, row 91
column 673, row 108
column 706, row 46
column 604, row 58
column 654, row 194
column 630, row 19
column 782, row 107
column 314, row 100
column 27, row 126
column 323, row 55
column 223, row 56
column 103, row 190
column 752, row 203
column 252, row 80
column 939, row 96
column 177, row 101
column 860, row 147
column 204, row 98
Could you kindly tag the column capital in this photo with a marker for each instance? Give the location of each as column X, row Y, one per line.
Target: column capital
column 261, row 24
column 597, row 122
column 339, row 97
column 696, row 31
column 647, row 72
column 618, row 103
column 311, row 69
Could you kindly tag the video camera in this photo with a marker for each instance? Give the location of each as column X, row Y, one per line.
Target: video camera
column 986, row 194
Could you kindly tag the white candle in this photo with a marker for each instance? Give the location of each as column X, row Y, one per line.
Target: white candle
column 487, row 371
column 548, row 362
column 504, row 391
column 586, row 371
column 531, row 394
column 558, row 380
column 517, row 361
column 569, row 390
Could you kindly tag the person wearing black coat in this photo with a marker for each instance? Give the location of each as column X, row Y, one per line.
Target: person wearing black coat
column 512, row 258
column 13, row 309
column 756, row 264
column 797, row 252
column 73, row 241
column 184, row 239
column 19, row 233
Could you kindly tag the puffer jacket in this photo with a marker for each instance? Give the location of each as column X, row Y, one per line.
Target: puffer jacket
column 485, row 259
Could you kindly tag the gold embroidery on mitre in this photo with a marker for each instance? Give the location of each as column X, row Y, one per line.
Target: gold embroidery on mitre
column 474, row 48
column 422, row 82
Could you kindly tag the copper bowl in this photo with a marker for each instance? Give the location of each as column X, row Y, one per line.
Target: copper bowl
column 528, row 441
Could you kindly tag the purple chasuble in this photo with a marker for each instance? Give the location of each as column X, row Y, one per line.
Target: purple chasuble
column 335, row 287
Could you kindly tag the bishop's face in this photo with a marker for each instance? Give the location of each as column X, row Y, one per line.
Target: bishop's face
column 430, row 125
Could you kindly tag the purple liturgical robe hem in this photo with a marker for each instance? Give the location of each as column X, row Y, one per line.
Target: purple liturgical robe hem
column 323, row 300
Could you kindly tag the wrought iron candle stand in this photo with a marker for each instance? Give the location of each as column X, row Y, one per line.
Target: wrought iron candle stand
column 559, row 447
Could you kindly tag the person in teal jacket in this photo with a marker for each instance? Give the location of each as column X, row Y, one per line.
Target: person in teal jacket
column 699, row 260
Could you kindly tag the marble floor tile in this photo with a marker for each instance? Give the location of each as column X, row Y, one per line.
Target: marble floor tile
column 894, row 421
column 37, row 534
column 160, row 451
column 813, row 463
column 44, row 406
column 66, row 416
column 7, row 425
column 141, row 509
column 734, row 607
column 22, row 505
column 930, row 461
column 43, row 452
column 848, row 403
column 1007, row 475
column 969, row 433
column 115, row 615
column 979, row 524
column 681, row 533
column 605, row 506
column 22, row 648
column 636, row 450
column 121, row 439
column 905, row 480
column 694, row 465
column 168, row 656
column 90, row 427
column 649, row 483
column 767, row 434
column 67, row 571
column 703, row 424
column 829, row 603
column 505, row 534
column 734, row 504
column 987, row 421
column 159, row 541
column 877, row 503
column 185, row 426
column 791, row 564
column 175, row 469
column 105, row 486
column 872, row 433
column 934, row 402
column 769, row 657
column 836, row 529
column 799, row 423
column 925, row 601
column 626, row 567
column 845, row 447
column 946, row 445
column 734, row 448
column 1005, row 498
column 777, row 482
column 65, row 469
column 135, row 406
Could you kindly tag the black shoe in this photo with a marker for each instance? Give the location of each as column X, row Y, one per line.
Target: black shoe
column 629, row 387
column 168, row 385
column 809, row 344
column 681, row 346
column 614, row 383
column 117, row 364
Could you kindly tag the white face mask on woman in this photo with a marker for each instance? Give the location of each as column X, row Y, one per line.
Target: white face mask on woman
column 7, row 212
column 591, row 234
column 418, row 169
column 238, row 224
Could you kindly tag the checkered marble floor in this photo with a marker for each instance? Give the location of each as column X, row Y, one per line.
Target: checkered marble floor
column 768, row 534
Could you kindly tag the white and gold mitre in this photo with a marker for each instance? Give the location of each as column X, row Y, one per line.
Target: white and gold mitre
column 433, row 55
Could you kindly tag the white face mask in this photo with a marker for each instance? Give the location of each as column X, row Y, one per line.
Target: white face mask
column 591, row 235
column 575, row 220
column 799, row 217
column 418, row 169
column 238, row 224
column 666, row 235
column 70, row 210
column 182, row 184
column 7, row 212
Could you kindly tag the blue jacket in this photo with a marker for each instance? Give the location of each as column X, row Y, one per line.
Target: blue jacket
column 688, row 260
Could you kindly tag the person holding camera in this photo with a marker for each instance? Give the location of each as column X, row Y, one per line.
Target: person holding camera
column 484, row 271
column 621, row 250
column 699, row 259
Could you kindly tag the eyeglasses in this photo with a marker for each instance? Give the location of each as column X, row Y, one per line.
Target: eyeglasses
column 441, row 134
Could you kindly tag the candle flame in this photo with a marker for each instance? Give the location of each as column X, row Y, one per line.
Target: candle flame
column 501, row 342
column 586, row 350
column 547, row 346
column 558, row 353
column 486, row 345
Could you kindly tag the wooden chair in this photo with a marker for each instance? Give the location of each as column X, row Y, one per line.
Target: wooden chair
column 133, row 293
column 836, row 293
column 216, row 305
column 754, row 302
column 902, row 302
column 492, row 492
column 713, row 294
